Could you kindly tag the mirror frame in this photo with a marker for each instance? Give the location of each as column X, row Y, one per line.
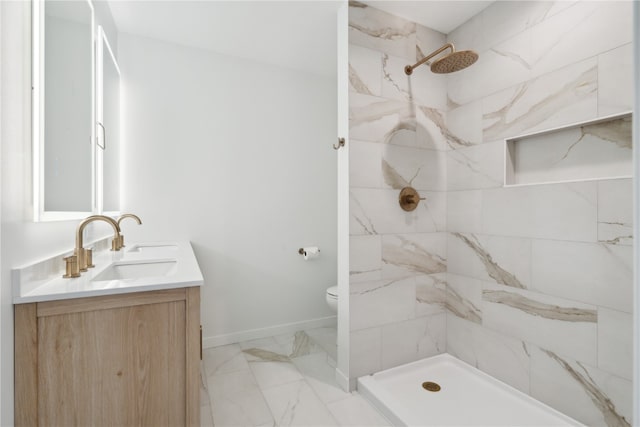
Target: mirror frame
column 37, row 113
column 103, row 55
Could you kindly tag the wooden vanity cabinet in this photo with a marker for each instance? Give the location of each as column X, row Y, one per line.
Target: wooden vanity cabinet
column 119, row 360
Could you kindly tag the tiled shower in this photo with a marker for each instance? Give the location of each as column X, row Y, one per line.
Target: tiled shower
column 529, row 283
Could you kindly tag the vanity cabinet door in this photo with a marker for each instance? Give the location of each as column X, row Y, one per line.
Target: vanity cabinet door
column 125, row 360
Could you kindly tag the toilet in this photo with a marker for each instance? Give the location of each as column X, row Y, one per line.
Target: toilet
column 332, row 298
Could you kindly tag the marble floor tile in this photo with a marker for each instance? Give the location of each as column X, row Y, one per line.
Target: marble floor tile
column 320, row 376
column 206, row 416
column 246, row 409
column 236, row 399
column 258, row 343
column 270, row 388
column 326, row 338
column 231, row 384
column 356, row 411
column 295, row 404
column 271, row 365
column 227, row 358
column 298, row 344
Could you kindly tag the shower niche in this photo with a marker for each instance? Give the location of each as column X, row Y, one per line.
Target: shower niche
column 596, row 149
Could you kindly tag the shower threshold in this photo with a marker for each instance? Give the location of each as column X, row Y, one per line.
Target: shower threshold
column 462, row 396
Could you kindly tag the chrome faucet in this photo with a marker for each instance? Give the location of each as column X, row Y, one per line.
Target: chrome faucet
column 84, row 256
column 120, row 218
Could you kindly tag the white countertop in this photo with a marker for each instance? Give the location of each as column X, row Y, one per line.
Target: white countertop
column 36, row 283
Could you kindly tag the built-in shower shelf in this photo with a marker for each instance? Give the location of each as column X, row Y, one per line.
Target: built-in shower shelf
column 596, row 149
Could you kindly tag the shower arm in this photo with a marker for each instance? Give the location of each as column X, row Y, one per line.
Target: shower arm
column 409, row 68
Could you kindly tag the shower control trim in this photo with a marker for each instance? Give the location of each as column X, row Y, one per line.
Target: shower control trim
column 409, row 199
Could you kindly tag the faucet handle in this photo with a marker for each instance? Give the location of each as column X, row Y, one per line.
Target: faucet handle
column 88, row 256
column 71, row 267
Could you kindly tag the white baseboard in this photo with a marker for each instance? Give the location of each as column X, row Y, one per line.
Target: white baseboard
column 343, row 381
column 252, row 334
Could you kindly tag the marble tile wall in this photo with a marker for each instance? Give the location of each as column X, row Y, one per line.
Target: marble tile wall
column 543, row 272
column 531, row 284
column 398, row 138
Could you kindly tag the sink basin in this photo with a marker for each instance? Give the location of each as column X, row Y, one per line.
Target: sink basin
column 137, row 270
column 156, row 248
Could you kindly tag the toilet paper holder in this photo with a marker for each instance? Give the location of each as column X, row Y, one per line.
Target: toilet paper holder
column 309, row 252
column 301, row 251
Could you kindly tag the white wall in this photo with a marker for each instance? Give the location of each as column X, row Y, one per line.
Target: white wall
column 236, row 157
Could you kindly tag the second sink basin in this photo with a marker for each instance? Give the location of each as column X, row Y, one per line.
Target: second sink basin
column 137, row 270
column 161, row 249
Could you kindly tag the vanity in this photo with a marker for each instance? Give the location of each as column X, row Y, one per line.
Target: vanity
column 119, row 345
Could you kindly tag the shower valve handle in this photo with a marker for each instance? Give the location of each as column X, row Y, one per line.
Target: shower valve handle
column 409, row 199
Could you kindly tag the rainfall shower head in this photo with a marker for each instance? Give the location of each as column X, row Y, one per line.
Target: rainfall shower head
column 451, row 62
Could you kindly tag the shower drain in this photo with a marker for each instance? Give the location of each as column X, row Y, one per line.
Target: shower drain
column 431, row 386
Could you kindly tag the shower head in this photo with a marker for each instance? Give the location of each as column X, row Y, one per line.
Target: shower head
column 453, row 61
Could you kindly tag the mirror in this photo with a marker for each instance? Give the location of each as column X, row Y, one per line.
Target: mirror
column 63, row 109
column 108, row 129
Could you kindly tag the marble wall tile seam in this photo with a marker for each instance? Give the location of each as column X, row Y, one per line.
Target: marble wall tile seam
column 483, row 234
column 461, row 307
column 582, row 374
column 365, row 70
column 472, row 353
column 470, row 169
column 590, row 313
column 539, row 111
column 504, row 358
column 531, row 22
column 383, row 188
column 535, row 288
column 615, row 342
column 501, row 294
column 528, row 236
column 535, row 308
column 434, row 115
column 522, row 89
column 438, row 117
column 614, row 212
column 559, row 324
column 466, row 144
column 529, row 61
column 492, row 268
column 593, row 57
column 376, row 29
column 376, row 285
column 604, row 257
column 431, row 294
column 615, row 310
